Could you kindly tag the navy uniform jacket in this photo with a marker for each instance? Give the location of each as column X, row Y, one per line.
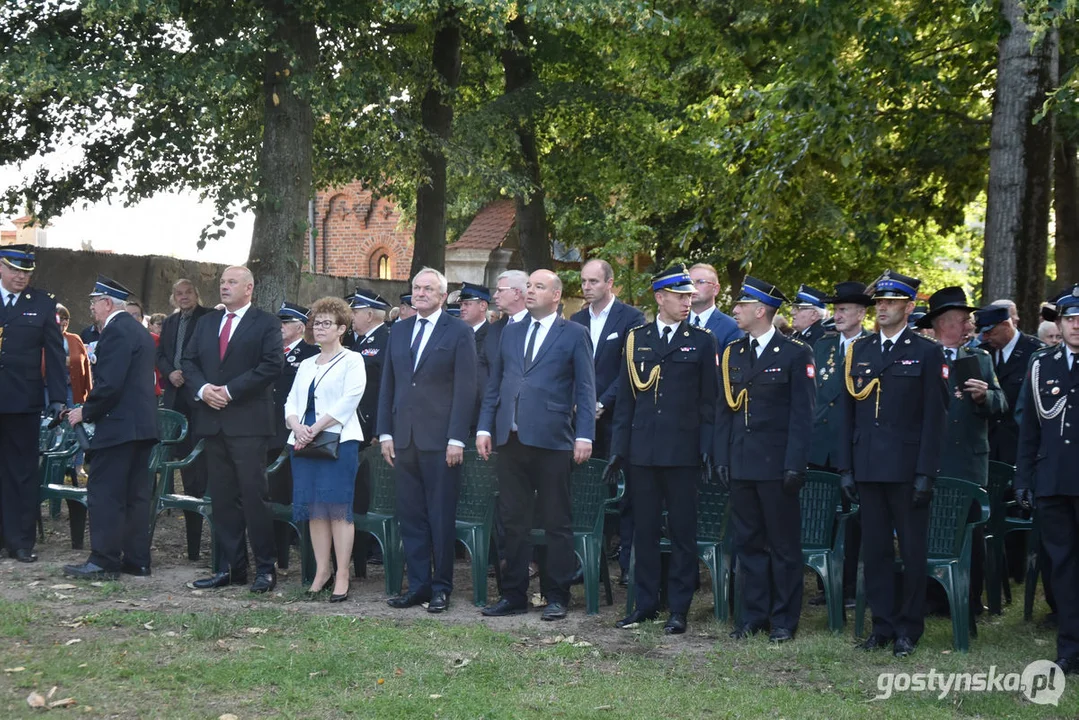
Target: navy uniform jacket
column 608, row 353
column 898, row 434
column 812, row 334
column 772, row 430
column 965, row 454
column 123, row 405
column 434, row 404
column 483, row 366
column 176, row 398
column 1048, row 453
column 28, row 329
column 299, row 352
column 830, row 392
column 672, row 423
column 1004, row 428
column 554, row 401
column 373, row 349
column 252, row 362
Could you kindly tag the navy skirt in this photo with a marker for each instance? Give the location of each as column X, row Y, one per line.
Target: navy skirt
column 323, row 489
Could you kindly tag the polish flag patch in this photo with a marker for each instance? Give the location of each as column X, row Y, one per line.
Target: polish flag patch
column 811, row 372
column 944, row 371
column 717, row 359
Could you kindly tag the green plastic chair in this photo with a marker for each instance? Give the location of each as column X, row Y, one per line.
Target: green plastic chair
column 52, row 470
column 591, row 497
column 713, row 549
column 165, row 501
column 282, row 513
column 824, row 525
column 1001, row 499
column 172, row 428
column 949, row 546
column 1034, row 542
column 380, row 521
column 475, row 518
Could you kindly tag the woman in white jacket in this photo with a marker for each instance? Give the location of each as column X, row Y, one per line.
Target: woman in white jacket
column 324, row 397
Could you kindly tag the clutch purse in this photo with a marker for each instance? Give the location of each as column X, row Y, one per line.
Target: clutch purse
column 323, row 447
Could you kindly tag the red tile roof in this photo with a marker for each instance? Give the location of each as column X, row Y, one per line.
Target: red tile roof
column 489, row 228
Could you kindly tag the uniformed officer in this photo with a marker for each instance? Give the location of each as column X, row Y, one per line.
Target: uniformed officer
column 764, row 424
column 891, row 430
column 405, row 308
column 28, row 331
column 663, row 427
column 293, row 324
column 809, row 313
column 368, row 316
column 1045, row 474
column 474, row 300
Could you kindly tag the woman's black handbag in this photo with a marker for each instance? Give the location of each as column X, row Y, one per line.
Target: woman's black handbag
column 323, row 447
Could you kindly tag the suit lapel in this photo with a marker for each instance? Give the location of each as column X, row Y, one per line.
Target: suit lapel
column 552, row 335
column 436, row 334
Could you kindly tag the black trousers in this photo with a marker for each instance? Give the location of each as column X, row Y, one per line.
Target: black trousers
column 239, row 490
column 1058, row 518
column 280, row 491
column 767, row 525
column 534, row 485
column 118, row 501
column 426, row 495
column 653, row 490
column 888, row 507
column 19, row 492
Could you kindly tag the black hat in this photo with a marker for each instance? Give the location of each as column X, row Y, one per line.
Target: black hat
column 674, row 279
column 852, row 292
column 809, row 297
column 107, row 287
column 406, row 299
column 989, row 317
column 754, row 290
column 949, row 298
column 289, row 312
column 366, row 298
column 469, row 291
column 893, row 285
column 453, row 309
column 1067, row 303
column 918, row 314
column 20, row 257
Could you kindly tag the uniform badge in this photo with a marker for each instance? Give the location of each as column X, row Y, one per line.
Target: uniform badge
column 775, row 349
column 811, row 372
column 686, row 349
column 1055, row 390
column 369, row 352
column 944, row 371
column 1057, row 356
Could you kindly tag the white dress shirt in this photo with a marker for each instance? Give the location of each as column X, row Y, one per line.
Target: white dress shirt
column 1006, row 351
column 4, row 292
column 893, row 338
column 704, row 316
column 431, row 320
column 660, row 324
column 541, row 332
column 763, row 340
column 517, row 316
column 596, row 323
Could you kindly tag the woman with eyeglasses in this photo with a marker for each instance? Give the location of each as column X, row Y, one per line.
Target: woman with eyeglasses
column 324, row 398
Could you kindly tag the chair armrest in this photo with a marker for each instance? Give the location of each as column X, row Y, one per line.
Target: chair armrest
column 620, row 491
column 172, row 465
column 277, row 463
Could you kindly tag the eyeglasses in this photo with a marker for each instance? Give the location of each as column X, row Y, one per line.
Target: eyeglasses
column 323, row 324
column 698, row 283
column 504, row 289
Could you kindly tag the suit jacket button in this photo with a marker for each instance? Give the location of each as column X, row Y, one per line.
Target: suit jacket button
column 413, row 384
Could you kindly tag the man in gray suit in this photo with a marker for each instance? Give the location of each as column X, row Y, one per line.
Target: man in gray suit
column 540, row 408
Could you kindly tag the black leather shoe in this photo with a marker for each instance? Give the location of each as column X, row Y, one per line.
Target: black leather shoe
column 676, row 624
column 903, row 646
column 23, row 555
column 264, row 582
column 439, row 603
column 635, row 617
column 334, row 598
column 554, row 611
column 1068, row 665
column 743, row 631
column 407, row 600
column 781, row 635
column 90, row 571
column 220, row 580
column 875, row 642
column 315, row 593
column 137, row 570
column 502, row 608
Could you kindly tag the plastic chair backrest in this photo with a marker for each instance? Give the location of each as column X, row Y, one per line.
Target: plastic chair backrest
column 171, row 426
column 1001, row 476
column 383, row 495
column 819, row 498
column 712, row 512
column 948, row 514
column 479, row 483
column 589, row 492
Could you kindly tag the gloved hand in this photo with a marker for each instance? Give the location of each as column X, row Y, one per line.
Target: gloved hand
column 846, row 484
column 1025, row 498
column 793, row 481
column 723, row 475
column 923, row 490
column 610, row 473
column 707, row 469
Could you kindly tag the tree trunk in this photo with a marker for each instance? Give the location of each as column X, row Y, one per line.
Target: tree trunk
column 736, row 274
column 437, row 116
column 531, row 214
column 1020, row 169
column 285, row 160
column 1066, row 205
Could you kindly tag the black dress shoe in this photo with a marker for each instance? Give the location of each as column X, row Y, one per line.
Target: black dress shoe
column 137, row 570
column 1068, row 665
column 635, row 617
column 90, row 571
column 220, row 580
column 407, row 600
column 504, row 607
column 676, row 624
column 743, row 631
column 335, row 598
column 875, row 642
column 264, row 582
column 23, row 555
column 315, row 593
column 439, row 603
column 554, row 611
column 903, row 646
column 781, row 635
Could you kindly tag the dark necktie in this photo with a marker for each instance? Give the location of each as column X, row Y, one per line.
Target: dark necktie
column 753, row 345
column 530, row 348
column 181, row 333
column 667, row 334
column 10, row 299
column 949, row 355
column 1000, row 360
column 886, row 347
column 697, row 321
column 415, row 349
column 223, row 339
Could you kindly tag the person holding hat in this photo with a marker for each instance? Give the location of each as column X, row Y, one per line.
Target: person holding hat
column 474, row 300
column 764, row 423
column 810, row 310
column 123, row 408
column 28, row 330
column 1045, row 477
column 891, row 431
column 663, row 426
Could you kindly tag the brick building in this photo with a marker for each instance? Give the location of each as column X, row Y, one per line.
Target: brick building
column 360, row 236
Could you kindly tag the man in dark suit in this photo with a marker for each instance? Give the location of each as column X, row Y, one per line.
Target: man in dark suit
column 663, row 423
column 231, row 365
column 123, row 408
column 809, row 314
column 28, row 332
column 176, row 333
column 474, row 300
column 1045, row 477
column 704, row 312
column 891, row 431
column 763, row 427
column 539, row 410
column 425, row 407
column 1011, row 351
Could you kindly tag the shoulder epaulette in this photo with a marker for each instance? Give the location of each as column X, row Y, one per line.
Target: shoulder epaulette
column 632, row 329
column 1044, row 350
column 701, row 328
column 797, row 341
column 977, row 351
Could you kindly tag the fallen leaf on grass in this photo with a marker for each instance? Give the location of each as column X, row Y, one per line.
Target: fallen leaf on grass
column 537, row 600
column 35, row 700
column 34, row 584
column 434, row 697
column 316, row 673
column 63, row 586
column 52, row 692
column 170, row 633
column 97, row 584
column 227, row 716
column 222, row 645
column 14, row 669
column 582, row 644
column 255, row 631
column 61, row 596
column 398, row 672
column 459, row 662
column 148, row 626
column 72, row 641
column 84, row 665
column 604, row 707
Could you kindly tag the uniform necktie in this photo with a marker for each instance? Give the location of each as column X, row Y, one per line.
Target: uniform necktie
column 415, row 349
column 1000, row 360
column 531, row 347
column 10, row 299
column 697, row 321
column 226, row 333
column 667, row 334
column 753, row 345
column 886, row 347
column 949, row 355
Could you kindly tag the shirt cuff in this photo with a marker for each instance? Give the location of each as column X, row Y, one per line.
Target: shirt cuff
column 584, row 440
column 199, row 393
column 482, row 433
column 384, row 438
column 456, row 443
column 227, row 392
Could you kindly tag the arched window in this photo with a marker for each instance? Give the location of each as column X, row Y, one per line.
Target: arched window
column 384, row 267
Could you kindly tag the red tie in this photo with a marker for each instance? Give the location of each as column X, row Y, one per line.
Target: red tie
column 223, row 340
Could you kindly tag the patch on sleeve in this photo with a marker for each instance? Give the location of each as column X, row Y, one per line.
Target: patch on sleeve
column 811, row 371
column 944, row 371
